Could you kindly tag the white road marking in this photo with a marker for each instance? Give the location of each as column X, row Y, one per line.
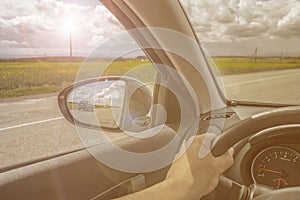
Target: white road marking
column 30, row 123
column 27, row 101
column 262, row 79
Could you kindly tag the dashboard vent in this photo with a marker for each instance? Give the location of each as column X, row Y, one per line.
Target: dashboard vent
column 218, row 116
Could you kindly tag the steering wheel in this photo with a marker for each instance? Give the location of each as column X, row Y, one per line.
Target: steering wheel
column 228, row 189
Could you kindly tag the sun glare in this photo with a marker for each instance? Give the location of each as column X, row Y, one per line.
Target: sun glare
column 69, row 23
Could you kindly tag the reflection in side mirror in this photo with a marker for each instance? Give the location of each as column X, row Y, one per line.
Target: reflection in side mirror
column 111, row 102
column 95, row 103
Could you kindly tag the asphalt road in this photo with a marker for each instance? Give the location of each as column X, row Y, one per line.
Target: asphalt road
column 33, row 127
column 273, row 86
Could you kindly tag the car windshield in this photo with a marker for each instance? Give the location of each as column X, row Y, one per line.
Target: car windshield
column 253, row 47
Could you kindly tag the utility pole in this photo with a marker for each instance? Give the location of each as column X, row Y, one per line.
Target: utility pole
column 254, row 55
column 71, row 51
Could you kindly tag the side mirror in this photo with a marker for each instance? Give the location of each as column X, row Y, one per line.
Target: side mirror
column 108, row 103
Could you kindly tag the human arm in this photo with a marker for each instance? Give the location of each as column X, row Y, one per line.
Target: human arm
column 189, row 177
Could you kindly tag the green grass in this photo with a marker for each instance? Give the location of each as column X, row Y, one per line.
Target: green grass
column 28, row 91
column 144, row 71
column 229, row 66
column 27, row 78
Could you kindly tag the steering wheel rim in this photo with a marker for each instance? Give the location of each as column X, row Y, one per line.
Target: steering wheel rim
column 248, row 127
column 285, row 193
column 255, row 124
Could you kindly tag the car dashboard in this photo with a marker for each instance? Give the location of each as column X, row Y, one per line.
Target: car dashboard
column 270, row 158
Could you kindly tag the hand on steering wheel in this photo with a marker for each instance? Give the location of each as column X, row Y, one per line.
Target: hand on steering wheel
column 198, row 172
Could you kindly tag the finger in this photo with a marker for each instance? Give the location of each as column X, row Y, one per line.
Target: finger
column 225, row 161
column 206, row 145
column 200, row 144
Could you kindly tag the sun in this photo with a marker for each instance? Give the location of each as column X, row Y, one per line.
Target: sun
column 69, row 23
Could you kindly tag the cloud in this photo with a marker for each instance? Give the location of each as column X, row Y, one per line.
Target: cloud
column 41, row 23
column 232, row 20
column 30, row 24
column 12, row 8
column 43, row 15
column 12, row 43
column 272, row 47
column 103, row 25
column 3, row 24
column 289, row 25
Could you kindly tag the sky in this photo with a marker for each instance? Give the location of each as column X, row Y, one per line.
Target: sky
column 31, row 28
column 238, row 27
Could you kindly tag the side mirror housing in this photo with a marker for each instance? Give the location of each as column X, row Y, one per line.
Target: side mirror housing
column 112, row 103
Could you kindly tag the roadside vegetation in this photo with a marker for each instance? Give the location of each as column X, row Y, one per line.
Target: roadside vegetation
column 241, row 65
column 28, row 78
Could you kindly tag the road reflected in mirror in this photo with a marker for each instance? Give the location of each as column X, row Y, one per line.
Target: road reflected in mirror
column 98, row 103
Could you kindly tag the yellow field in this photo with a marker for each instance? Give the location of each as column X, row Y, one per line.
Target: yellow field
column 26, row 78
column 229, row 66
